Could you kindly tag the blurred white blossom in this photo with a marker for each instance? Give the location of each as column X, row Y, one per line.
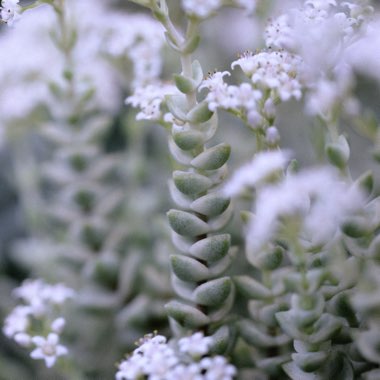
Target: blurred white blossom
column 273, row 70
column 57, row 325
column 195, row 345
column 318, row 197
column 157, row 359
column 192, row 371
column 217, row 368
column 48, row 349
column 278, row 33
column 254, row 173
column 140, row 38
column 201, row 8
column 17, row 321
column 149, row 99
column 272, row 135
column 9, row 11
column 23, row 339
column 42, row 303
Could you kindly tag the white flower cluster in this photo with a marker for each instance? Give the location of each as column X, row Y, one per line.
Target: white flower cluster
column 321, row 32
column 274, row 75
column 221, row 95
column 317, row 197
column 41, row 302
column 155, row 359
column 149, row 99
column 140, row 38
column 9, row 11
column 277, row 71
column 255, row 173
column 278, row 33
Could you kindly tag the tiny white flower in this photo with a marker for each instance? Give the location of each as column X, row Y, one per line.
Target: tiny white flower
column 48, row 349
column 58, row 325
column 195, row 345
column 10, row 11
column 30, row 291
column 132, row 368
column 153, row 358
column 160, row 363
column 218, row 368
column 246, row 97
column 246, row 62
column 37, row 294
column 23, row 339
column 273, row 70
column 269, row 108
column 272, row 136
column 185, row 372
column 214, row 81
column 278, row 33
column 220, row 94
column 150, row 344
column 255, row 119
column 149, row 99
column 57, row 294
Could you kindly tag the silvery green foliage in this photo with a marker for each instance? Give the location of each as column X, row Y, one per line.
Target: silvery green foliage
column 204, row 254
column 362, row 242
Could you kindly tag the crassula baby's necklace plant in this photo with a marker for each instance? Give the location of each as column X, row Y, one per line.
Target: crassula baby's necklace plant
column 305, row 303
column 206, row 295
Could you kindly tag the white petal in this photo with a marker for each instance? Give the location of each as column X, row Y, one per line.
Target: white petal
column 37, row 354
column 38, row 340
column 53, row 338
column 58, row 325
column 50, row 360
column 61, row 350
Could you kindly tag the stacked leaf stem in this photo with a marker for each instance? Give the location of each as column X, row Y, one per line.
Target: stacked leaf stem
column 204, row 253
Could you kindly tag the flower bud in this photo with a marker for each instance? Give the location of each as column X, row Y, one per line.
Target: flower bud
column 272, row 136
